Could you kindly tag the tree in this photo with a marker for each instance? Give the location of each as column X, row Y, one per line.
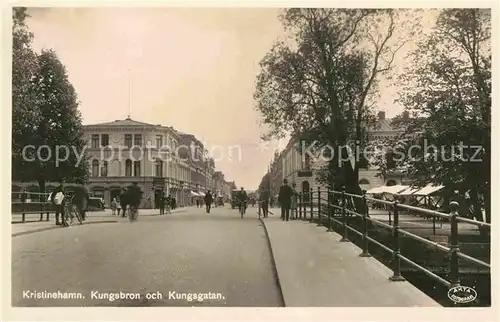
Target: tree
column 25, row 111
column 321, row 88
column 45, row 114
column 448, row 91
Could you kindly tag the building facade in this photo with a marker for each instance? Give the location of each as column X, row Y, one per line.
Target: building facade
column 126, row 151
column 291, row 165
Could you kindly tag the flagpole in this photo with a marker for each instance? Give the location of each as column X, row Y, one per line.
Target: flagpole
column 129, row 94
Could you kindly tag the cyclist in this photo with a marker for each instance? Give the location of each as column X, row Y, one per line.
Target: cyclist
column 242, row 201
column 81, row 200
column 134, row 195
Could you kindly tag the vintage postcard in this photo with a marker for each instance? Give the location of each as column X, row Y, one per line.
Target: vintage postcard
column 285, row 159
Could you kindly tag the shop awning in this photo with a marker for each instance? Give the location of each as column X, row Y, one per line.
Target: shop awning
column 428, row 190
column 409, row 191
column 387, row 189
column 194, row 194
column 201, row 194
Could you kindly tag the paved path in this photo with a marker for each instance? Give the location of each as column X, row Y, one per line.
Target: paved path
column 188, row 253
column 315, row 269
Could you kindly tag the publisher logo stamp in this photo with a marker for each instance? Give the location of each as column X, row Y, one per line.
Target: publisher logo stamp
column 462, row 294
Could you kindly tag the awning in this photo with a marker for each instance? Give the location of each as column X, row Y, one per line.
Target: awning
column 388, row 189
column 194, row 194
column 201, row 194
column 409, row 191
column 375, row 190
column 427, row 190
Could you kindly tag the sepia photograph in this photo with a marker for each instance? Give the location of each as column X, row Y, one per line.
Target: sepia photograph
column 255, row 157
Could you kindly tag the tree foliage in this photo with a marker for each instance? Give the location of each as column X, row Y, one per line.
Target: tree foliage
column 45, row 113
column 447, row 90
column 322, row 84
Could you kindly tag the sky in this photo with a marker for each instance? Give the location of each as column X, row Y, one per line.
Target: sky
column 190, row 68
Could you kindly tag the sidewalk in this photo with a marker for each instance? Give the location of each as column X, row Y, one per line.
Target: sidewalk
column 93, row 217
column 315, row 269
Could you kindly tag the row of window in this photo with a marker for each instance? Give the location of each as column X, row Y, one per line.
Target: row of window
column 132, row 169
column 102, row 140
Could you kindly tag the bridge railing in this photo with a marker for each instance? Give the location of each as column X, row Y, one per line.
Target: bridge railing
column 337, row 207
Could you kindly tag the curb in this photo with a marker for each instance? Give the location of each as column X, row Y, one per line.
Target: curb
column 273, row 263
column 56, row 227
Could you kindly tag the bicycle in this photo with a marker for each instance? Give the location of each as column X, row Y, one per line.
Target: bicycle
column 71, row 211
column 132, row 213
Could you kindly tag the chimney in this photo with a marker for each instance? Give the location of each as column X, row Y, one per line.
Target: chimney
column 406, row 115
column 381, row 115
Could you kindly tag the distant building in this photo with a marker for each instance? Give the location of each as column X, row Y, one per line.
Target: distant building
column 291, row 165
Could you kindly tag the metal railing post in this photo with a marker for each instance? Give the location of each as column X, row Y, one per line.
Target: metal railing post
column 331, row 196
column 299, row 206
column 311, row 203
column 396, row 262
column 41, row 207
column 304, row 205
column 365, row 252
column 24, row 210
column 454, row 249
column 344, row 216
column 319, row 206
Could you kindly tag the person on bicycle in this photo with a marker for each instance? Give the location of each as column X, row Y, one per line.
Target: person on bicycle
column 242, row 199
column 81, row 200
column 134, row 196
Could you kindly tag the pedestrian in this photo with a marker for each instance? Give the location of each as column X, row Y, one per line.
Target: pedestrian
column 161, row 204
column 123, row 202
column 113, row 206
column 57, row 199
column 167, row 203
column 118, row 206
column 264, row 201
column 285, row 199
column 208, row 201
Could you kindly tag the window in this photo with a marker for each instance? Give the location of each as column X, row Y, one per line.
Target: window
column 390, row 160
column 128, row 168
column 391, row 183
column 159, row 141
column 138, row 139
column 95, row 141
column 95, row 168
column 104, row 169
column 307, row 163
column 364, row 181
column 104, row 139
column 159, row 168
column 137, row 168
column 128, row 140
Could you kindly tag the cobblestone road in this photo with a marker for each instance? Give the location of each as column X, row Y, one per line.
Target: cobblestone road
column 151, row 262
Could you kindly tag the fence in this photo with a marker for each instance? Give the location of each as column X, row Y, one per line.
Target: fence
column 26, row 203
column 32, row 203
column 337, row 207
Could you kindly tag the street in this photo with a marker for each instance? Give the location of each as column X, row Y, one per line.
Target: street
column 156, row 261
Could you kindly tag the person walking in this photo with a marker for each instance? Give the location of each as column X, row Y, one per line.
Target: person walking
column 293, row 203
column 208, row 201
column 123, row 202
column 264, row 200
column 285, row 199
column 57, row 199
column 161, row 204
